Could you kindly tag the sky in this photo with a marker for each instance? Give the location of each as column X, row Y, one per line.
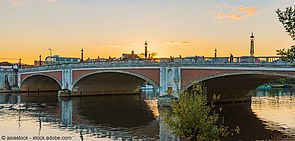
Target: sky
column 106, row 28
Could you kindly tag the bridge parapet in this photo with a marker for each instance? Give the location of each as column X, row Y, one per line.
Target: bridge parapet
column 145, row 63
column 91, row 65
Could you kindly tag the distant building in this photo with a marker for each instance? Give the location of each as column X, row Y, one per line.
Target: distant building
column 194, row 59
column 38, row 63
column 249, row 59
column 6, row 65
column 23, row 66
column 131, row 56
column 60, row 60
column 95, row 60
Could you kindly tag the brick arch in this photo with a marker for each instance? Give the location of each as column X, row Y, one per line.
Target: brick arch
column 151, row 73
column 143, row 77
column 234, row 73
column 56, row 75
column 26, row 77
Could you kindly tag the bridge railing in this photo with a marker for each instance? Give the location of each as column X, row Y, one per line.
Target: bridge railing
column 246, row 61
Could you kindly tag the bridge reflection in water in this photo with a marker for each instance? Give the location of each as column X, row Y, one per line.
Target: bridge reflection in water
column 117, row 117
column 128, row 117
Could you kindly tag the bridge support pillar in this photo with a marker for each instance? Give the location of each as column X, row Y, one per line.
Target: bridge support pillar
column 67, row 79
column 170, row 80
column 66, row 83
column 64, row 93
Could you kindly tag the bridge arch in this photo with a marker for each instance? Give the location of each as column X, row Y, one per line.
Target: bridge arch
column 117, row 76
column 42, row 82
column 235, row 85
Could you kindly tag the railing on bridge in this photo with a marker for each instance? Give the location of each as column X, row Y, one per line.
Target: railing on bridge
column 246, row 61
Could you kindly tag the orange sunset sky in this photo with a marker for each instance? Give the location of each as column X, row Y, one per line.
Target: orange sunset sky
column 110, row 27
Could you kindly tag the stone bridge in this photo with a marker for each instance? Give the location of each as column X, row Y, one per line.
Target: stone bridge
column 231, row 81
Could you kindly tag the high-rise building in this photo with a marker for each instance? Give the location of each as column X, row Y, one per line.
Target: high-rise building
column 252, row 45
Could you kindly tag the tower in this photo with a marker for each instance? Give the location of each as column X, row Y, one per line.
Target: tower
column 82, row 54
column 252, row 39
column 215, row 55
column 145, row 49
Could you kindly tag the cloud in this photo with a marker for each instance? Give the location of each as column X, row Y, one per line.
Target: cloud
column 231, row 16
column 234, row 12
column 248, row 11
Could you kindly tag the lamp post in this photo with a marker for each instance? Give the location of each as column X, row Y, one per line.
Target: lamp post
column 145, row 49
column 82, row 54
column 50, row 55
column 19, row 63
column 50, row 52
column 40, row 63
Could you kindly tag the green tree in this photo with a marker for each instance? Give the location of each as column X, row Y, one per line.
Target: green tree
column 287, row 55
column 193, row 118
column 287, row 18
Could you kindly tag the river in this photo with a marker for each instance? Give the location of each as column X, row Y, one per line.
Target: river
column 270, row 115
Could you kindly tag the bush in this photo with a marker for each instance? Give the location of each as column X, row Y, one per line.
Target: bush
column 193, row 118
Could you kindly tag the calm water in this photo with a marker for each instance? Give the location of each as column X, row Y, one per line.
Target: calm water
column 134, row 117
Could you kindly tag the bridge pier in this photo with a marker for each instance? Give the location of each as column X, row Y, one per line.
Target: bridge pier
column 64, row 93
column 170, row 81
column 8, row 80
column 67, row 82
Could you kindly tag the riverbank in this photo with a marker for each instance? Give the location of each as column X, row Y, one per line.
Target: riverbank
column 276, row 86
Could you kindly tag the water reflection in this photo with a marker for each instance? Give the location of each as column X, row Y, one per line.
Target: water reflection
column 276, row 107
column 9, row 99
column 66, row 112
column 86, row 118
column 151, row 99
column 135, row 117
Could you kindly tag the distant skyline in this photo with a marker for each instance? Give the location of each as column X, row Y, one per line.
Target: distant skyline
column 109, row 28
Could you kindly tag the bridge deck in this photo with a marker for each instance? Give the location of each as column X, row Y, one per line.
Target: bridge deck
column 145, row 64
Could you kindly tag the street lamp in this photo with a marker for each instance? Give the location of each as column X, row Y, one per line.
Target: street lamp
column 50, row 53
